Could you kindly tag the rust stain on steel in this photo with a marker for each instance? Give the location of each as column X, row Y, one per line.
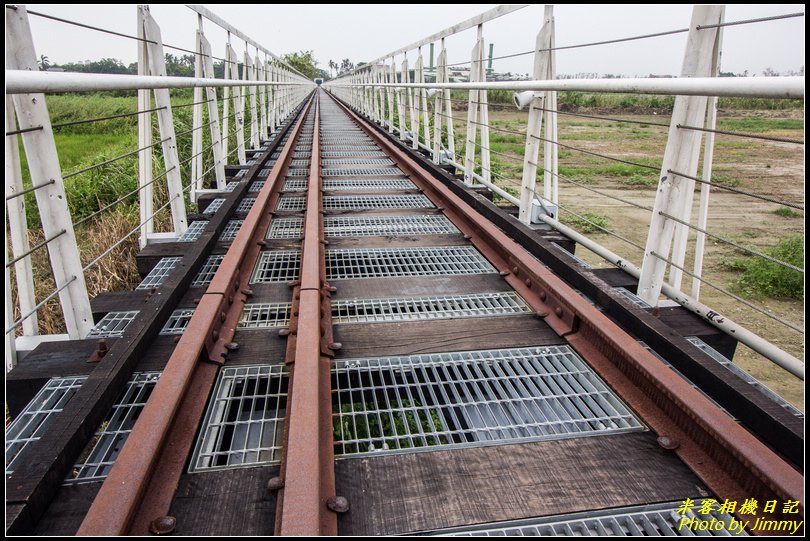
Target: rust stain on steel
column 731, row 461
column 125, row 489
column 308, row 460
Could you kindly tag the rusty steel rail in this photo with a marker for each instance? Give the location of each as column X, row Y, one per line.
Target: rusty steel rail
column 141, row 483
column 730, row 460
column 307, row 468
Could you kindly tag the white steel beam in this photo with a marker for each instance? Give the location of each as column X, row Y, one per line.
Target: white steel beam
column 213, row 114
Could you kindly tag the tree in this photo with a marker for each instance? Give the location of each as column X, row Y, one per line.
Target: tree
column 303, row 61
column 770, row 72
column 333, row 66
column 346, row 66
column 44, row 63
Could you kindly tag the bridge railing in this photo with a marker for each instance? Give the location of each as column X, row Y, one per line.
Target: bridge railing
column 427, row 108
column 184, row 139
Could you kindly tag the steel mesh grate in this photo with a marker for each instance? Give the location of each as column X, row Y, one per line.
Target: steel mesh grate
column 112, row 324
column 351, row 154
column 365, row 226
column 299, row 163
column 195, row 229
column 98, row 457
column 353, row 172
column 338, row 184
column 295, row 184
column 277, row 266
column 245, row 205
column 214, row 206
column 632, row 297
column 356, row 161
column 177, row 322
column 298, row 172
column 231, row 186
column 245, row 418
column 265, row 172
column 422, row 261
column 422, row 308
column 370, row 202
column 256, row 186
column 265, row 315
column 31, row 423
column 241, row 173
column 208, row 270
column 286, row 228
column 338, row 147
column 286, row 202
column 470, row 398
column 653, row 520
column 230, row 230
column 159, row 272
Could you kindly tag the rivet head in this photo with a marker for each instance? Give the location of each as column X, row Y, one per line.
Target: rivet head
column 558, row 311
column 665, row 442
column 338, row 504
column 163, row 525
column 515, row 270
column 528, row 283
column 504, row 273
column 232, row 346
column 284, row 332
column 275, row 483
column 335, row 346
column 223, row 316
column 543, row 295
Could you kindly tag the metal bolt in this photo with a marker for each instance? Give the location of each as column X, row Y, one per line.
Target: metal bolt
column 223, row 316
column 467, row 237
column 515, row 271
column 331, row 289
column 176, row 339
column 247, row 292
column 232, row 346
column 284, row 332
column 215, row 334
column 665, row 442
column 338, row 504
column 558, row 311
column 163, row 525
column 335, row 346
column 528, row 282
column 504, row 273
column 275, row 483
column 543, row 295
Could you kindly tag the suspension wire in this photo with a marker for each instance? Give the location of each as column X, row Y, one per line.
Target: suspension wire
column 733, row 243
column 42, row 303
column 124, row 197
column 24, row 130
column 742, row 134
column 190, row 130
column 748, row 21
column 35, row 248
column 645, row 166
column 729, row 293
column 31, row 189
column 89, row 120
column 738, row 190
column 111, row 160
column 594, row 190
column 604, row 229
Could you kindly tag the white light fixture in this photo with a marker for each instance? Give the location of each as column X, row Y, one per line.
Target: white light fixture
column 431, row 92
column 522, row 99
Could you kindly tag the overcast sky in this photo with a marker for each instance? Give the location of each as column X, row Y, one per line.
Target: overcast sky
column 361, row 33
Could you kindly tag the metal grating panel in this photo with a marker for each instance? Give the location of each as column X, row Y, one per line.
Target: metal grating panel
column 30, row 424
column 357, row 161
column 337, row 147
column 470, row 398
column 265, row 315
column 351, row 154
column 264, row 173
column 745, row 376
column 230, row 231
column 195, row 229
column 159, row 272
column 298, row 172
column 295, row 184
column 245, row 419
column 366, row 226
column 277, row 266
column 214, row 206
column 423, row 261
column 231, row 186
column 112, row 324
column 246, row 204
column 632, row 297
column 286, row 228
column 655, row 520
column 286, row 202
column 177, row 322
column 209, row 269
column 369, row 202
column 364, row 184
column 98, row 457
column 299, row 163
column 382, row 171
column 241, row 173
column 256, row 186
column 421, row 308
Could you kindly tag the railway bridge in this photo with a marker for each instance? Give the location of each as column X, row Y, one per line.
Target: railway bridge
column 357, row 314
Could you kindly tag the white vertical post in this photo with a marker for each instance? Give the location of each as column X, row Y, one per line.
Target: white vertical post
column 422, row 97
column 213, row 114
column 10, row 339
column 226, row 102
column 681, row 155
column 703, row 211
column 254, row 125
column 196, row 121
column 542, row 61
column 412, row 107
column 483, row 103
column 472, row 110
column 157, row 67
column 392, row 78
column 18, row 230
column 550, row 147
column 238, row 106
column 43, row 166
column 401, row 97
column 146, row 195
column 261, row 66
